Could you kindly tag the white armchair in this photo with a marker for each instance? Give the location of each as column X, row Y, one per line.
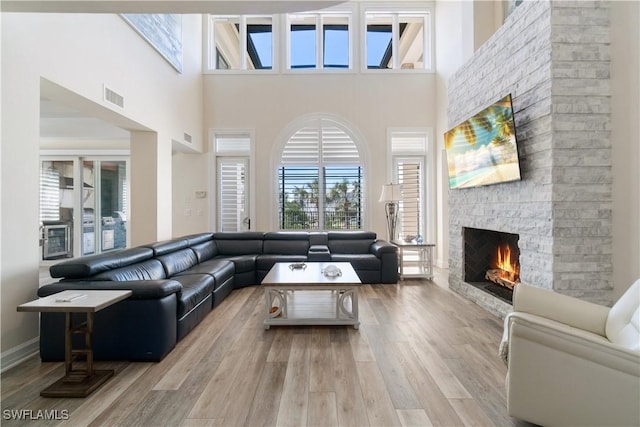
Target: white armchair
column 571, row 362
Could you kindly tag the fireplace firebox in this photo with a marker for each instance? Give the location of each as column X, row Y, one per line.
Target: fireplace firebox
column 491, row 261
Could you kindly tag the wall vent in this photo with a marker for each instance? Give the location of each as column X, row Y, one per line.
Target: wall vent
column 188, row 138
column 113, row 97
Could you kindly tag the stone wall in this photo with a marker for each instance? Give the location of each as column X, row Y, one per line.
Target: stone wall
column 553, row 57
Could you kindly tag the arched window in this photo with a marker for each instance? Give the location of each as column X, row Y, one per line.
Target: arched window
column 320, row 179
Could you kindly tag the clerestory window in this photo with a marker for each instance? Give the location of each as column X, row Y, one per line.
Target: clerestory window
column 320, row 180
column 241, row 43
column 398, row 40
column 319, row 41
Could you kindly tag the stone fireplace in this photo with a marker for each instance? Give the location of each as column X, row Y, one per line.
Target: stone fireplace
column 553, row 57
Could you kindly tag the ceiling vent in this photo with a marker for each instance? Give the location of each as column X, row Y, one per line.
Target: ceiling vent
column 188, row 138
column 113, row 97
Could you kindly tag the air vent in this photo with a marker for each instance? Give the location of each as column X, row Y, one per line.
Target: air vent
column 187, row 138
column 113, row 97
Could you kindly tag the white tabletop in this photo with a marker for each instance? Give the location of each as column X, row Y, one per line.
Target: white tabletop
column 281, row 274
column 90, row 301
column 412, row 244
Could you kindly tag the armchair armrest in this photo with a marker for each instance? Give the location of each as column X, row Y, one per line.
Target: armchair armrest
column 142, row 289
column 380, row 247
column 561, row 308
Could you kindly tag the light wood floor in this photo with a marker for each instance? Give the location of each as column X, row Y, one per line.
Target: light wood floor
column 423, row 356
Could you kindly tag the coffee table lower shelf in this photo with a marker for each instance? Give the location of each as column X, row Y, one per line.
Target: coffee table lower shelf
column 326, row 306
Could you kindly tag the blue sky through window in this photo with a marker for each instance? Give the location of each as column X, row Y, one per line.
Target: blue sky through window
column 303, row 46
column 262, row 43
column 336, row 47
column 377, row 44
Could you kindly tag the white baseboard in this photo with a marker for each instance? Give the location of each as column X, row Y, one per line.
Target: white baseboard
column 18, row 354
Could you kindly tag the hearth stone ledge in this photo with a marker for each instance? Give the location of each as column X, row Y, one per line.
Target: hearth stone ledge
column 485, row 300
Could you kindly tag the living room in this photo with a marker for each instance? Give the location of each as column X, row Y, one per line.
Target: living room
column 71, row 57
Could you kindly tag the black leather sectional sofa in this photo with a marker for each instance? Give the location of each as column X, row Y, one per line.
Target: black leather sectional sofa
column 176, row 283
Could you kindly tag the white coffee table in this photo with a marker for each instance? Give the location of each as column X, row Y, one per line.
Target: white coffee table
column 293, row 297
column 77, row 382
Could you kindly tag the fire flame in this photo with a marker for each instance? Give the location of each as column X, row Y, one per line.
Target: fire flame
column 508, row 269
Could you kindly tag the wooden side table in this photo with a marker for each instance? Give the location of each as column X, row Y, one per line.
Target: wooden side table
column 77, row 382
column 424, row 262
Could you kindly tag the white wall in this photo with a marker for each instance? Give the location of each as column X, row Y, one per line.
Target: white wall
column 80, row 53
column 625, row 143
column 191, row 175
column 371, row 103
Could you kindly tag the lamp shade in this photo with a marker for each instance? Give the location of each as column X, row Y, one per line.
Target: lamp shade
column 390, row 193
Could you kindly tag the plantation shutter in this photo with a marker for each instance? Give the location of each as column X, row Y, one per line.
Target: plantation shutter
column 314, row 160
column 410, row 179
column 233, row 151
column 409, row 151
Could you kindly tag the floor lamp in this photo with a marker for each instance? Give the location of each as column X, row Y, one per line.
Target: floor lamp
column 390, row 196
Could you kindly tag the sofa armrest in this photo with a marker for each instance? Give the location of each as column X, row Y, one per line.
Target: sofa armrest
column 561, row 308
column 380, row 247
column 142, row 289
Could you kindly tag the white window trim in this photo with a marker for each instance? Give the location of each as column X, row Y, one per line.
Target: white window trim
column 395, row 9
column 213, row 172
column 209, row 45
column 430, row 184
column 350, row 14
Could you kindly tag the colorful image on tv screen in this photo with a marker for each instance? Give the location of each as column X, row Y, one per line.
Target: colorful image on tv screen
column 482, row 150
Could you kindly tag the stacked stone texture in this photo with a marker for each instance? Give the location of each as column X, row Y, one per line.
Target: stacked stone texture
column 553, row 57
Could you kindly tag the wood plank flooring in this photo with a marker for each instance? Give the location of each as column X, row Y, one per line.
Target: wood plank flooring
column 423, row 356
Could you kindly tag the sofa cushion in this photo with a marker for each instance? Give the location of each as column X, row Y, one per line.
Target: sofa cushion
column 265, row 262
column 178, row 261
column 351, row 242
column 241, row 243
column 78, row 268
column 167, row 246
column 195, row 288
column 205, row 251
column 359, row 262
column 318, row 238
column 194, row 239
column 150, row 269
column 220, row 269
column 286, row 243
column 243, row 263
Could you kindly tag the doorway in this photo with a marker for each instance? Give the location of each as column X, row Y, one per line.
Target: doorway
column 102, row 197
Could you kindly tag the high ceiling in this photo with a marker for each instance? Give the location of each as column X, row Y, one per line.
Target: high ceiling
column 61, row 122
column 166, row 6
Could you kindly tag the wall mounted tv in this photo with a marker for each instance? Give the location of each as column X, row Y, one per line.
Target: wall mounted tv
column 482, row 150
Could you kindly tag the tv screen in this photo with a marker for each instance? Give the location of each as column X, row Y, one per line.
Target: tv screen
column 482, row 150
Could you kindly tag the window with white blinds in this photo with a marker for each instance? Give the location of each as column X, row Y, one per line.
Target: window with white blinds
column 320, row 179
column 233, row 151
column 409, row 150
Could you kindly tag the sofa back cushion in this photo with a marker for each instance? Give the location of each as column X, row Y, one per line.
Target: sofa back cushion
column 318, row 238
column 205, row 251
column 150, row 269
column 84, row 267
column 231, row 244
column 194, row 239
column 286, row 243
column 623, row 321
column 351, row 242
column 167, row 246
column 178, row 261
